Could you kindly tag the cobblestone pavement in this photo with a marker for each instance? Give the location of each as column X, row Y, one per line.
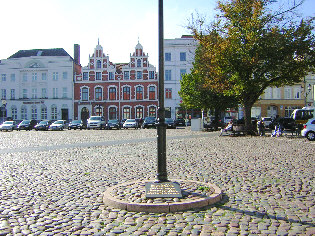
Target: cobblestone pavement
column 51, row 185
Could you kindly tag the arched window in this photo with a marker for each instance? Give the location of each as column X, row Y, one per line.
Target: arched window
column 98, row 93
column 98, row 64
column 98, row 111
column 152, row 111
column 126, row 113
column 139, row 112
column 151, row 92
column 43, row 112
column 126, row 93
column 112, row 93
column 24, row 112
column 139, row 93
column 112, row 113
column 34, row 112
column 54, row 112
column 84, row 94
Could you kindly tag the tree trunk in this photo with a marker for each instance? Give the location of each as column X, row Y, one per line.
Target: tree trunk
column 247, row 116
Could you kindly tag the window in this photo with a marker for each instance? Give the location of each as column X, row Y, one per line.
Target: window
column 182, row 56
column 34, row 113
column 14, row 113
column 23, row 113
column 12, row 77
column 55, row 92
column 268, row 93
column 44, row 92
column 43, row 115
column 98, row 64
column 182, row 73
column 34, row 76
column 126, row 113
column 168, row 93
column 151, row 75
column 168, row 56
column 138, row 63
column 55, row 76
column 98, row 76
column 24, row 77
column 12, row 93
column 139, row 93
column 139, row 112
column 276, row 94
column 98, row 94
column 126, row 93
column 85, row 75
column 99, row 111
column 84, row 94
column 297, row 93
column 151, row 92
column 44, row 76
column 24, row 93
column 152, row 111
column 65, row 75
column 54, row 112
column 139, row 74
column 168, row 75
column 126, row 75
column 34, row 93
column 287, row 93
column 3, row 77
column 3, row 94
column 64, row 92
column 112, row 93
column 112, row 113
column 111, row 76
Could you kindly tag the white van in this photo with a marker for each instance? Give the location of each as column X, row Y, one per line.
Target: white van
column 96, row 122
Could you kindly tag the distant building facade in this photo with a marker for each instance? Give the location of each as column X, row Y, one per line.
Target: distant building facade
column 116, row 91
column 179, row 57
column 37, row 84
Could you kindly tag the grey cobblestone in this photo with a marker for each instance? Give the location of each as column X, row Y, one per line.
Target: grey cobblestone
column 51, row 184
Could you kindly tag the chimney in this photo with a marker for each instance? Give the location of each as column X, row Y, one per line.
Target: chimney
column 77, row 54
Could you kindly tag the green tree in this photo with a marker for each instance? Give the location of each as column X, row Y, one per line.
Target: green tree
column 248, row 48
column 196, row 94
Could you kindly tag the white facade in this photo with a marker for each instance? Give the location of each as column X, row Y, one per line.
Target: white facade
column 38, row 85
column 179, row 56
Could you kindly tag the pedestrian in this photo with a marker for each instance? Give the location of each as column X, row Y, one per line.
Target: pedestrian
column 261, row 127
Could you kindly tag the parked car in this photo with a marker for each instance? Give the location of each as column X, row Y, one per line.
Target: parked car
column 170, row 123
column 76, row 124
column 149, row 122
column 58, row 125
column 8, row 126
column 309, row 130
column 122, row 122
column 113, row 124
column 96, row 122
column 130, row 123
column 286, row 122
column 180, row 122
column 26, row 125
column 267, row 121
column 42, row 125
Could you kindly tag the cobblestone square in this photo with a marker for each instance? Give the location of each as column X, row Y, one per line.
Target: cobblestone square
column 51, row 183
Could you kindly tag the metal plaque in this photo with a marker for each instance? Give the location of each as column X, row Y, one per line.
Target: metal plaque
column 162, row 190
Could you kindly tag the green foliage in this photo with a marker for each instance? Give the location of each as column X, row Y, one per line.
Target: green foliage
column 249, row 49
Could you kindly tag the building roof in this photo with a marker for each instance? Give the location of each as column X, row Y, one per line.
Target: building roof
column 40, row 52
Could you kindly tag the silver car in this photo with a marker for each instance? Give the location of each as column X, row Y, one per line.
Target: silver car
column 130, row 123
column 8, row 126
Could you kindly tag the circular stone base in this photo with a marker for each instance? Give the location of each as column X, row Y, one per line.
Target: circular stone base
column 131, row 197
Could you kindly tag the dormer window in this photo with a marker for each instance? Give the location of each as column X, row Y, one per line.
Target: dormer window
column 138, row 63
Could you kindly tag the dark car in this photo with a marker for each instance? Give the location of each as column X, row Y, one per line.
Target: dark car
column 286, row 123
column 26, row 125
column 76, row 124
column 170, row 123
column 113, row 124
column 42, row 125
column 180, row 122
column 149, row 122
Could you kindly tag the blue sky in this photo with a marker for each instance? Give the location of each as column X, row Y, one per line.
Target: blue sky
column 35, row 24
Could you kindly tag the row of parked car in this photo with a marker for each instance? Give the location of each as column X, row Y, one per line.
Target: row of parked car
column 94, row 122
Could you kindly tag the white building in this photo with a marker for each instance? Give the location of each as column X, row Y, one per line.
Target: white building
column 179, row 56
column 37, row 84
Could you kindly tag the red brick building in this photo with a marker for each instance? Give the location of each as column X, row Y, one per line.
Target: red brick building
column 116, row 91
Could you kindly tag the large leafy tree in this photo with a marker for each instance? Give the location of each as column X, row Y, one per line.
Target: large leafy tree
column 196, row 94
column 249, row 48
